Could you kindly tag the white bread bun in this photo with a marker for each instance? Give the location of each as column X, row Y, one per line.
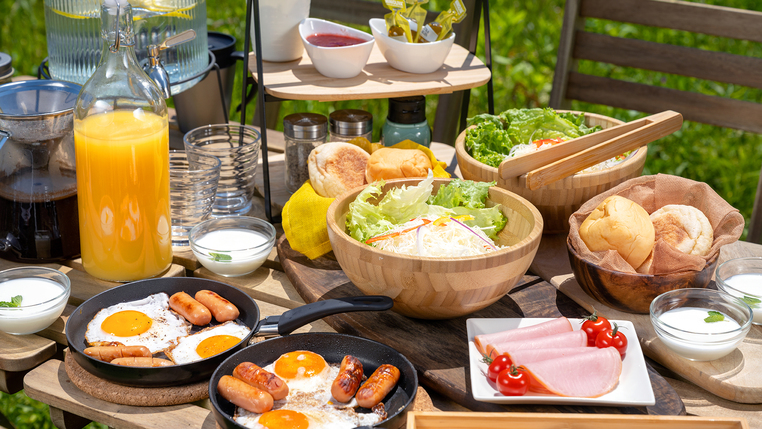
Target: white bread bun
column 336, row 168
column 390, row 163
column 622, row 225
column 686, row 228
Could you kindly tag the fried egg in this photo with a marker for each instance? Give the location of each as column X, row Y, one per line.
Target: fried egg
column 146, row 322
column 309, row 403
column 207, row 343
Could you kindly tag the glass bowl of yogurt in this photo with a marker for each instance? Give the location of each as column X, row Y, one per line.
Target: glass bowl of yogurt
column 700, row 324
column 742, row 278
column 232, row 246
column 31, row 298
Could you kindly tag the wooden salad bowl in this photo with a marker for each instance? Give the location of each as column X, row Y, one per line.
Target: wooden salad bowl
column 439, row 288
column 631, row 292
column 558, row 200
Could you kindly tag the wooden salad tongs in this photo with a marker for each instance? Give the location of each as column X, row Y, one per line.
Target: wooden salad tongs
column 564, row 159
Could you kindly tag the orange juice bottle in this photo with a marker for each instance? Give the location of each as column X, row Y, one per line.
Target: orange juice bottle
column 121, row 139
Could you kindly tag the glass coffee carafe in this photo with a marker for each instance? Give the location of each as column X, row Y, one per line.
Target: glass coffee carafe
column 38, row 185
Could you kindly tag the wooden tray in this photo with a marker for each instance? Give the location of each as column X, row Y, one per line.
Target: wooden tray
column 299, row 80
column 455, row 420
column 736, row 377
column 438, row 348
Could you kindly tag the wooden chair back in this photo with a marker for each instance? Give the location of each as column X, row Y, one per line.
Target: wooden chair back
column 578, row 44
column 358, row 12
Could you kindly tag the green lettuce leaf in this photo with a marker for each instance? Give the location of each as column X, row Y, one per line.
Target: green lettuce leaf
column 488, row 143
column 485, row 117
column 490, row 220
column 462, row 193
column 365, row 220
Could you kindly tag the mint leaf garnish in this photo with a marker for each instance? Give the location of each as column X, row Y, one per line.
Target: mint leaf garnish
column 220, row 257
column 753, row 302
column 714, row 316
column 15, row 302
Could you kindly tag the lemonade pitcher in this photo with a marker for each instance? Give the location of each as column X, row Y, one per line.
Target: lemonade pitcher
column 121, row 138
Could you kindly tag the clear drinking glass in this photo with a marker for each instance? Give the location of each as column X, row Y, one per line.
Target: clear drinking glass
column 192, row 188
column 237, row 147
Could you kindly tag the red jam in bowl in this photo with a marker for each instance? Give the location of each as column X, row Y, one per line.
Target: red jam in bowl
column 326, row 40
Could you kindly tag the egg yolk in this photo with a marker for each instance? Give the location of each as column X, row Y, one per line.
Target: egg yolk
column 299, row 364
column 284, row 419
column 216, row 344
column 126, row 323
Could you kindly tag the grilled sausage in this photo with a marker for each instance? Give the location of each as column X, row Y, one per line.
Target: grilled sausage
column 222, row 309
column 141, row 361
column 348, row 380
column 261, row 379
column 378, row 386
column 244, row 395
column 105, row 344
column 109, row 353
column 192, row 310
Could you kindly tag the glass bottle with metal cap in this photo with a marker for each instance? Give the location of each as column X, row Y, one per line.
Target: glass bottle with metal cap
column 347, row 124
column 303, row 132
column 406, row 121
column 6, row 68
column 121, row 139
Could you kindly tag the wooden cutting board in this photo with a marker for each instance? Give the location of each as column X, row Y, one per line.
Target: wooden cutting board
column 438, row 348
column 736, row 377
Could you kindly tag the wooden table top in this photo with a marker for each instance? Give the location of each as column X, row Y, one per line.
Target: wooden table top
column 49, row 383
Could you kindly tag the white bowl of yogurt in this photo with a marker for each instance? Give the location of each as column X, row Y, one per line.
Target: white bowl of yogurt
column 232, row 246
column 742, row 278
column 37, row 296
column 700, row 324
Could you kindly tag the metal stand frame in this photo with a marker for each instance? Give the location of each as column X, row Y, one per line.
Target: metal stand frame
column 252, row 6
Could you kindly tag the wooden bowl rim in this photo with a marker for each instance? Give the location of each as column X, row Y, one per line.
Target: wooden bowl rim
column 638, row 156
column 636, row 275
column 533, row 237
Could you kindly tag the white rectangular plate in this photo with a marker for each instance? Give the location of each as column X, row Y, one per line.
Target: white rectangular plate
column 634, row 386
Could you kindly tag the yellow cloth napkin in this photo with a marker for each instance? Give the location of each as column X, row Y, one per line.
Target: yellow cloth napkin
column 304, row 215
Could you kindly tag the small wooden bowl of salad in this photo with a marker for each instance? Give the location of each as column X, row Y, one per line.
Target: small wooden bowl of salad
column 556, row 201
column 441, row 248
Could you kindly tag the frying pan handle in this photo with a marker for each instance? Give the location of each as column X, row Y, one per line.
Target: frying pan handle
column 293, row 319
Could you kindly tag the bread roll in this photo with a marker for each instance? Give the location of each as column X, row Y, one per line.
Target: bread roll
column 389, row 163
column 684, row 227
column 622, row 225
column 336, row 168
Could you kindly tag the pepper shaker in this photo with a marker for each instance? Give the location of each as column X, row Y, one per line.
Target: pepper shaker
column 347, row 124
column 303, row 132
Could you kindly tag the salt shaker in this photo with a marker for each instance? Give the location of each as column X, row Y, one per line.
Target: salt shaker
column 347, row 124
column 303, row 132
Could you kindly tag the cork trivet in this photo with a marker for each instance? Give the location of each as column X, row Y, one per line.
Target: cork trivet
column 136, row 396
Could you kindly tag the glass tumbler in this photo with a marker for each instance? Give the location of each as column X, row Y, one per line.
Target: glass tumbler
column 192, row 189
column 237, row 147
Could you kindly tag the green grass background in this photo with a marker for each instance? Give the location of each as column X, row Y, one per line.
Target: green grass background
column 525, row 37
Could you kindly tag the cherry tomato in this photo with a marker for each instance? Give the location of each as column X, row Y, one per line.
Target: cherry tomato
column 594, row 325
column 612, row 338
column 497, row 366
column 513, row 382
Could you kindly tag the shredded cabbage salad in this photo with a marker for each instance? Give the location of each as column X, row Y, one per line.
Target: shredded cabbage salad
column 517, row 132
column 410, row 220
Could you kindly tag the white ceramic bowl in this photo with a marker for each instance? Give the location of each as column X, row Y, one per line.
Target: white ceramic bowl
column 336, row 62
column 411, row 57
column 45, row 292
column 232, row 246
column 693, row 338
column 742, row 278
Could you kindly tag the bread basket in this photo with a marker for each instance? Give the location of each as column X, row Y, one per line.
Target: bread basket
column 558, row 200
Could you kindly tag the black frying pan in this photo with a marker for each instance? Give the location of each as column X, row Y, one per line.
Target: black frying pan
column 193, row 372
column 333, row 347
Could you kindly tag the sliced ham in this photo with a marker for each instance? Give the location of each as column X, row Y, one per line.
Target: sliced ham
column 566, row 339
column 585, row 375
column 551, row 327
column 522, row 357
